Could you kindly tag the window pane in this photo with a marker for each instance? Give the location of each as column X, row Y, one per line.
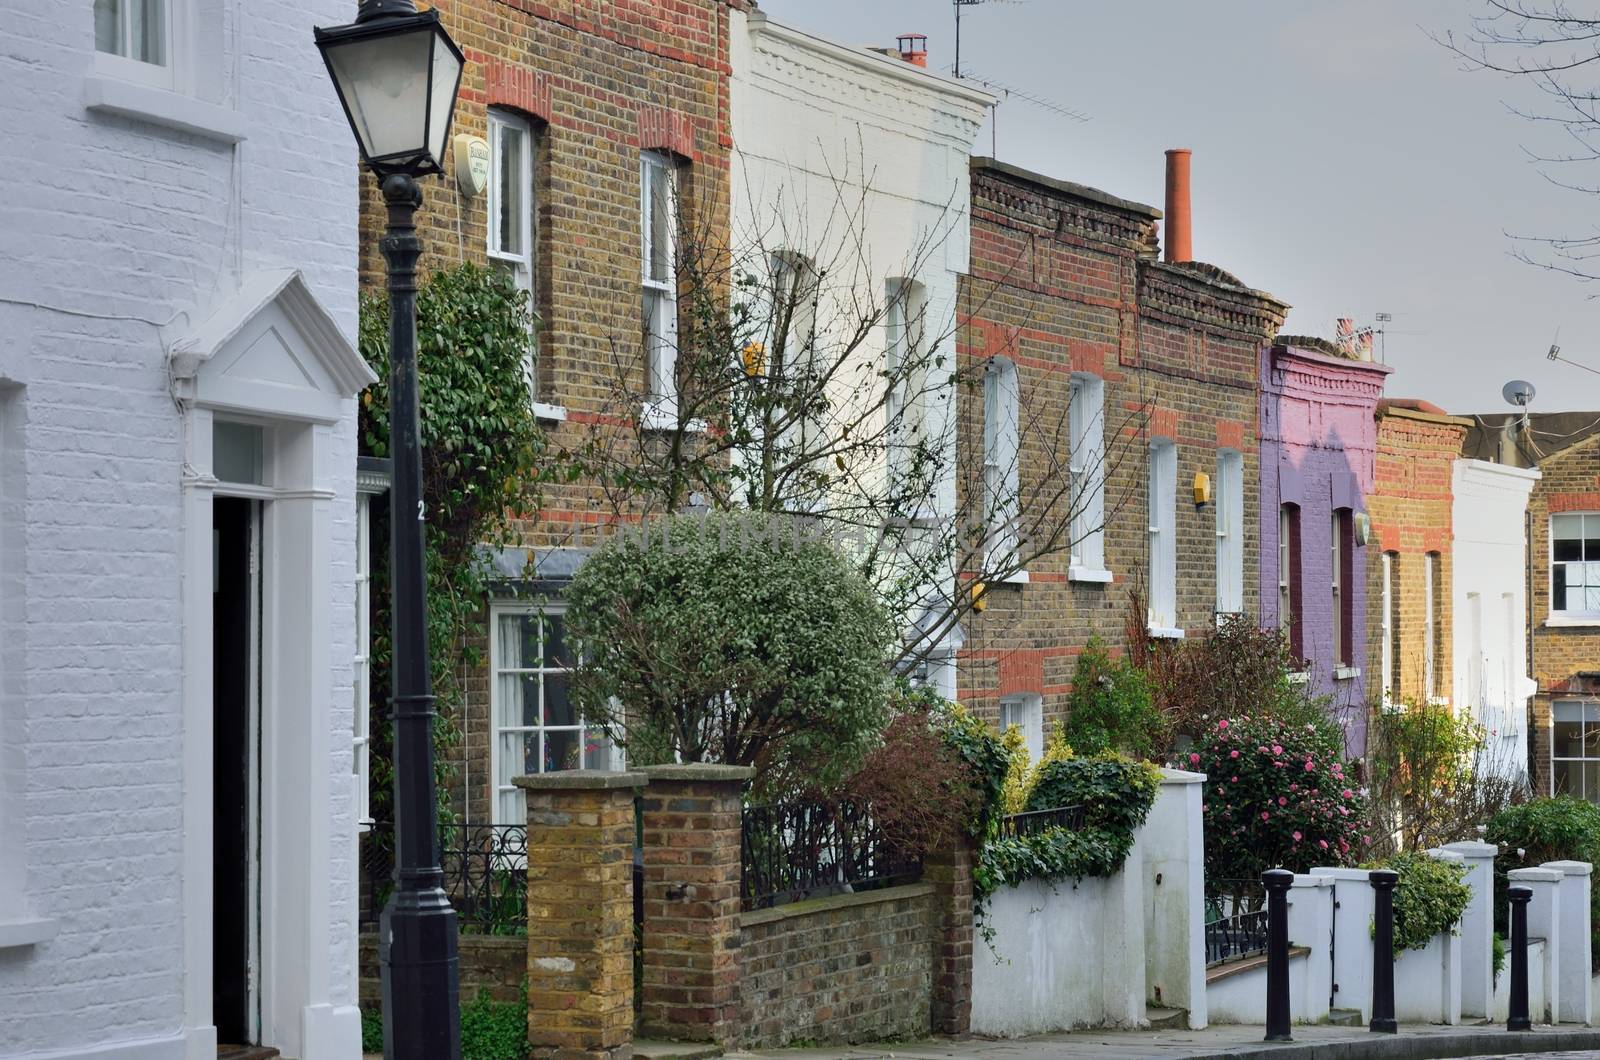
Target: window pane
column 510, row 195
column 519, row 700
column 555, row 643
column 658, row 219
column 558, row 706
column 1569, row 778
column 519, row 756
column 1568, row 741
column 148, row 31
column 562, row 750
column 597, row 751
column 107, row 32
column 237, row 452
column 519, row 642
column 1558, row 587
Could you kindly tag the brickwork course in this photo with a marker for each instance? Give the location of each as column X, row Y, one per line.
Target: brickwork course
column 600, row 82
column 1411, row 510
column 1566, row 657
column 1064, row 279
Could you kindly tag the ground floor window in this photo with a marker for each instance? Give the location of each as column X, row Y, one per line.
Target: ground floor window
column 1575, row 748
column 537, row 726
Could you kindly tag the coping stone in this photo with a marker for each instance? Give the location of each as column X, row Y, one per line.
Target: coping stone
column 702, row 771
column 580, row 780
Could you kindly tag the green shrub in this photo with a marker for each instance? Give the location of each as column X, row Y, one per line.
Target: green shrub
column 1420, row 765
column 495, row 1030
column 732, row 637
column 1116, row 793
column 983, row 752
column 1276, row 796
column 1110, row 708
column 1429, row 898
column 1499, row 943
column 371, row 1028
column 1549, row 829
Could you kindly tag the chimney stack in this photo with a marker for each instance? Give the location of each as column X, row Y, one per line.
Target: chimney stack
column 914, row 48
column 1178, row 242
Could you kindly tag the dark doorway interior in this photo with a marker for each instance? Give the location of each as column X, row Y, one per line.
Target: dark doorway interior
column 233, row 688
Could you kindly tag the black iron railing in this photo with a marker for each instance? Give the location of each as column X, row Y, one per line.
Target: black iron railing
column 1235, row 937
column 485, row 874
column 797, row 850
column 1035, row 821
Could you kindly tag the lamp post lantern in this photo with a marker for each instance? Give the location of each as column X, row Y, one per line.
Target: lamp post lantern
column 397, row 72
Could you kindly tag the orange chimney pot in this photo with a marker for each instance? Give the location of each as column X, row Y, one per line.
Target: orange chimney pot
column 1178, row 241
column 914, row 48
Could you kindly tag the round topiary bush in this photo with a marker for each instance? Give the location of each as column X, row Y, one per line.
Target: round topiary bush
column 733, row 637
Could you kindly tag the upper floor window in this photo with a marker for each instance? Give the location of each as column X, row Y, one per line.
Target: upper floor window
column 1432, row 625
column 512, row 205
column 1389, row 679
column 1575, row 565
column 1163, row 497
column 1289, row 595
column 658, row 222
column 1086, row 420
column 1001, row 456
column 1229, row 496
column 1341, row 535
column 139, row 30
column 906, row 404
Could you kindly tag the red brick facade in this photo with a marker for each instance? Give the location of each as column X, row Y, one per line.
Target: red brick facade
column 1064, row 279
column 1410, row 508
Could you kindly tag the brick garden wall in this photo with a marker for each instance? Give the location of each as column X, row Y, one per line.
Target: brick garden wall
column 1565, row 658
column 494, row 963
column 853, row 968
column 1064, row 279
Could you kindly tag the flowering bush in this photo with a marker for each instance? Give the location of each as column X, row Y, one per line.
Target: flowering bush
column 1276, row 796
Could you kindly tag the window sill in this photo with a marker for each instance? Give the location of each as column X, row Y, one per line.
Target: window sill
column 158, row 106
column 1346, row 673
column 1089, row 574
column 27, row 932
column 549, row 413
column 1166, row 633
column 1014, row 578
column 657, row 416
column 1573, row 622
column 1299, row 677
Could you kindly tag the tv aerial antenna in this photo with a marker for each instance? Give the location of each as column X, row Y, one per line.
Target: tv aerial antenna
column 1555, row 355
column 1000, row 87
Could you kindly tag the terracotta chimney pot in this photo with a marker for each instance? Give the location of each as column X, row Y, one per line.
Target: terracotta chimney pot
column 1178, row 244
column 914, row 48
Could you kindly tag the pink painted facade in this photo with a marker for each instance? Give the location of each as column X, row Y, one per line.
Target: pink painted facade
column 1318, row 444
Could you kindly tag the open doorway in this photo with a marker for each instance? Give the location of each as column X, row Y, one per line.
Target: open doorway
column 236, row 664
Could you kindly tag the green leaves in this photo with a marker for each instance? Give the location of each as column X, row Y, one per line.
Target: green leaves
column 1110, row 708
column 1541, row 830
column 1429, row 898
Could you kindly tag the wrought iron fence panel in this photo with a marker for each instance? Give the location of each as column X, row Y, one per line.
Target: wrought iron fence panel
column 485, row 874
column 1033, row 822
column 801, row 849
column 1236, row 937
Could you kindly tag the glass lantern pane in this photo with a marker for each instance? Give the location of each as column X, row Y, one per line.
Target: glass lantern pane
column 384, row 82
column 446, row 75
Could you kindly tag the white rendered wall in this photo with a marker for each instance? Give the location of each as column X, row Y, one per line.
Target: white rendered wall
column 1489, row 605
column 835, row 145
column 113, row 226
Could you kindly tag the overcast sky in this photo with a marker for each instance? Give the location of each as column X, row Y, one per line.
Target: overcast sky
column 1343, row 161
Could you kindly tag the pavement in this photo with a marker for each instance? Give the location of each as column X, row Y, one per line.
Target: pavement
column 1414, row 1042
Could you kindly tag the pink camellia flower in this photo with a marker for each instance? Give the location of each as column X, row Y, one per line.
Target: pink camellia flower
column 1347, row 794
column 1233, row 780
column 1297, row 837
column 1223, row 724
column 1233, row 754
column 1277, row 749
column 1263, row 750
column 1344, row 811
column 1366, row 839
column 1294, row 787
column 1282, row 801
column 1265, row 816
column 1323, row 843
column 1309, row 766
column 1194, row 759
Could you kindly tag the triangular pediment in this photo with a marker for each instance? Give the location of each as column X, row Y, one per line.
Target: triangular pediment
column 270, row 349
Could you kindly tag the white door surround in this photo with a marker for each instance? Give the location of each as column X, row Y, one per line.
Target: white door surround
column 270, row 356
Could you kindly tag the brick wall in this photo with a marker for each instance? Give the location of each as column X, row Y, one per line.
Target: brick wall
column 1064, row 279
column 853, row 968
column 1411, row 509
column 488, row 962
column 600, row 81
column 1566, row 659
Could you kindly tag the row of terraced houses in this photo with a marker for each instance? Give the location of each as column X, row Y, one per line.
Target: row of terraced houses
column 185, row 520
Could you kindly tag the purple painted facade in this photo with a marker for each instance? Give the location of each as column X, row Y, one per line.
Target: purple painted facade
column 1318, row 443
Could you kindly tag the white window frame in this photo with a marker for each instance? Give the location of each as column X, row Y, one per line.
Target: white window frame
column 906, row 403
column 524, row 266
column 659, row 297
column 1086, row 422
column 1588, row 711
column 361, row 665
column 1026, row 711
column 1002, row 407
column 1336, row 548
column 121, row 64
column 1285, row 573
column 1387, row 626
column 1229, row 506
column 507, row 804
column 1162, row 499
column 1573, row 615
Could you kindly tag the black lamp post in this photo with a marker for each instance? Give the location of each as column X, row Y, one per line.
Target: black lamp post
column 397, row 73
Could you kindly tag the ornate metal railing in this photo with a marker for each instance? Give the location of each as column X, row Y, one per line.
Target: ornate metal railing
column 1235, row 937
column 797, row 850
column 1035, row 821
column 485, row 874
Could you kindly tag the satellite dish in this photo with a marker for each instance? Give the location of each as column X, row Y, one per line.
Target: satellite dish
column 1518, row 392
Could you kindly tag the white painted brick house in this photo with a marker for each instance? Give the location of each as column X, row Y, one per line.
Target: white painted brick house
column 851, row 167
column 177, row 532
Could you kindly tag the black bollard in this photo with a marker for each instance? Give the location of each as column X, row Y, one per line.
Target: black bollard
column 1518, row 1018
column 1277, row 882
column 1383, row 881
